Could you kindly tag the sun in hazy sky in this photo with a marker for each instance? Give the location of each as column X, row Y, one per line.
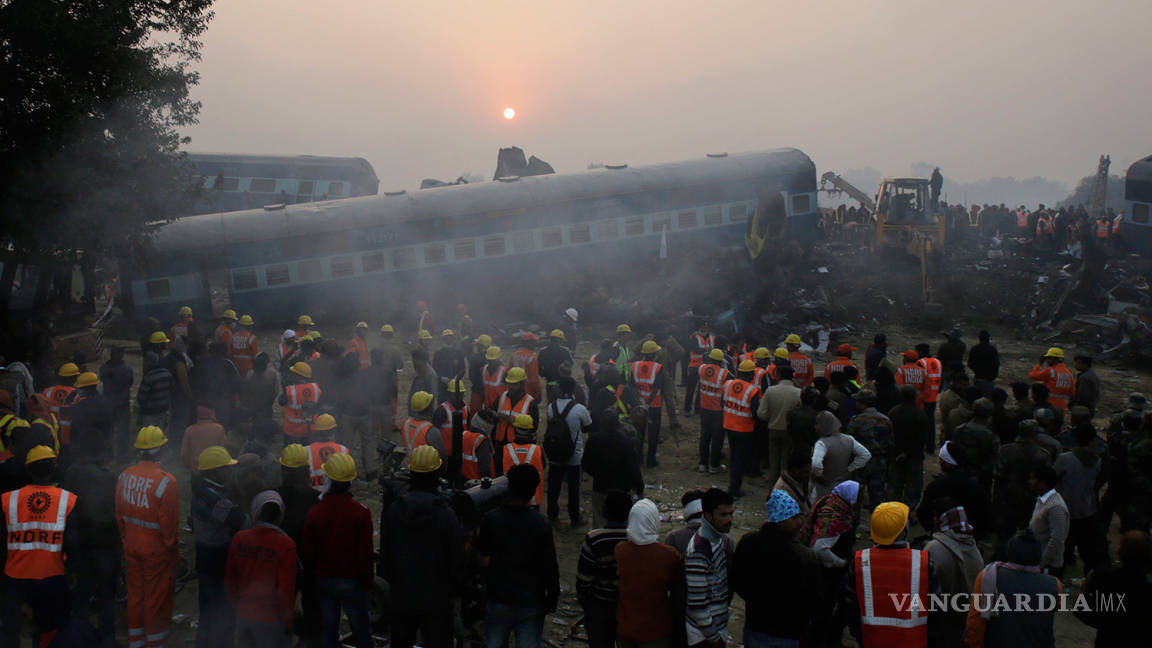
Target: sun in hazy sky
column 509, row 112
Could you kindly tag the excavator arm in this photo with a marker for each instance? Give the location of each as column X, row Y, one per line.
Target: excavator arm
column 840, row 184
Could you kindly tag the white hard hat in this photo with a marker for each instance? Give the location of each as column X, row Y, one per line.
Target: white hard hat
column 289, row 334
column 572, row 314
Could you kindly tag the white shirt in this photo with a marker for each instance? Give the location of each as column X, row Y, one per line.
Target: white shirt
column 578, row 419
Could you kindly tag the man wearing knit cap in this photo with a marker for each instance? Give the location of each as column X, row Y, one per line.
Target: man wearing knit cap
column 778, row 578
column 884, row 575
column 261, row 576
column 652, row 599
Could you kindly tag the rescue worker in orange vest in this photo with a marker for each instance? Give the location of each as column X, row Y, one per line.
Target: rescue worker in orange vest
column 184, row 326
column 525, row 357
column 304, row 326
column 1045, row 229
column 243, row 348
column 712, row 376
column 913, row 373
column 699, row 344
column 286, row 349
column 58, row 394
column 38, row 539
column 843, row 359
column 442, row 417
column 148, row 514
column 321, row 447
column 494, row 373
column 779, row 360
column 933, row 379
column 227, row 325
column 477, row 458
column 1103, row 229
column 1022, row 217
column 512, row 403
column 523, row 450
column 300, row 401
column 417, row 428
column 1057, row 377
column 883, row 582
column 648, row 381
column 741, row 400
column 802, row 370
column 763, row 359
column 359, row 345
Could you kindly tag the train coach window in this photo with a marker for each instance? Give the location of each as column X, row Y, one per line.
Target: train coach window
column 494, row 246
column 262, row 185
column 433, row 254
column 464, row 250
column 1140, row 213
column 244, row 279
column 580, row 234
column 226, row 184
column 713, row 216
column 634, row 226
column 158, row 289
column 305, row 187
column 276, row 275
column 661, row 223
column 608, row 230
column 523, row 241
column 372, row 262
column 801, row 204
column 342, row 267
column 686, row 220
column 335, row 189
column 403, row 258
column 737, row 213
column 551, row 238
column 309, row 270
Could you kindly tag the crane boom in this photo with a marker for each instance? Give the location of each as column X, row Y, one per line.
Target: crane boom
column 840, row 184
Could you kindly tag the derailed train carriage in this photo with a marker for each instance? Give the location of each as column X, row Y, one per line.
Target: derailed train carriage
column 349, row 256
column 1136, row 230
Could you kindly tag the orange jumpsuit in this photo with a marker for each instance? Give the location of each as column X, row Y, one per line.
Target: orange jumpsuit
column 803, row 371
column 1060, row 382
column 148, row 512
column 242, row 350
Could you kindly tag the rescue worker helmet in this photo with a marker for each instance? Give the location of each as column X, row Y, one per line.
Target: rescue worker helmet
column 523, row 422
column 39, row 453
column 228, row 314
column 716, row 354
column 302, row 369
column 649, row 347
column 557, row 333
column 340, row 467
column 420, row 401
column 424, row 459
column 69, row 369
column 623, row 328
column 781, row 353
column 246, row 320
column 304, row 320
column 747, row 366
column 214, row 457
column 159, row 337
column 493, row 353
column 150, row 437
column 324, row 423
column 294, row 456
column 762, row 353
column 516, row 375
column 793, row 339
column 87, row 379
column 483, row 340
column 1055, row 352
column 456, row 386
column 888, row 521
column 387, row 328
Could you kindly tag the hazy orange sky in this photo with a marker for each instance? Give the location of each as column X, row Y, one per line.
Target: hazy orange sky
column 418, row 88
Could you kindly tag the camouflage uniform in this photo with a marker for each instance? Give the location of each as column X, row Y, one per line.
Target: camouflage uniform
column 874, row 431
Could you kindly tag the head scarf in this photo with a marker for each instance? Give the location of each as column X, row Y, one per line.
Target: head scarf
column 827, row 424
column 692, row 509
column 262, row 498
column 946, row 456
column 288, row 335
column 831, row 515
column 848, row 491
column 954, row 519
column 780, row 506
column 644, row 523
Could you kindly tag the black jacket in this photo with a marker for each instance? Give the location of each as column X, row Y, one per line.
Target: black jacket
column 779, row 580
column 984, row 361
column 95, row 510
column 91, row 421
column 551, row 357
column 298, row 500
column 422, row 552
column 522, row 569
column 612, row 461
column 961, row 487
column 155, row 393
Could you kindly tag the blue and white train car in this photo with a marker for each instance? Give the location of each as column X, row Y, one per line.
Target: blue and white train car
column 358, row 255
column 1136, row 230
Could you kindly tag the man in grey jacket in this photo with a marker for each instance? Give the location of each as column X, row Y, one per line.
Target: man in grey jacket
column 958, row 562
column 778, row 400
column 1049, row 518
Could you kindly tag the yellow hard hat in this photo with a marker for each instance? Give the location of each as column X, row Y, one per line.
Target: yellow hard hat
column 747, row 365
column 150, row 437
column 623, row 328
column 493, row 353
column 340, row 467
column 304, row 320
column 39, row 453
column 246, row 320
column 69, row 369
column 423, row 335
column 557, row 333
column 214, row 457
column 456, row 386
column 424, row 459
column 158, row 338
column 229, row 314
column 716, row 354
column 324, row 422
column 781, row 353
column 649, row 347
column 483, row 340
column 1055, row 352
column 87, row 379
column 523, row 422
column 516, row 375
column 387, row 328
column 16, row 423
column 793, row 339
column 888, row 522
column 294, row 456
column 421, row 400
column 302, row 369
column 762, row 353
column 315, row 335
column 185, row 310
column 447, row 332
column 362, row 325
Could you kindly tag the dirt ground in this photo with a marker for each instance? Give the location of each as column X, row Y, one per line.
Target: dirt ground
column 677, row 473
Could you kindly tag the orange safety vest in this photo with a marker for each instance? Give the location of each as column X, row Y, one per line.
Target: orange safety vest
column 738, row 414
column 1116, row 223
column 504, row 430
column 526, row 453
column 880, row 572
column 243, row 351
column 296, row 422
column 837, row 365
column 223, row 334
column 446, row 428
column 1021, row 219
column 56, row 397
column 1044, row 226
column 702, row 342
column 913, row 373
column 758, row 378
column 180, row 329
column 1060, row 382
column 360, row 348
column 644, row 374
column 494, row 386
column 318, row 453
column 36, row 517
column 65, row 420
column 1102, row 229
column 933, row 378
column 148, row 510
column 414, row 433
column 802, row 370
column 470, row 460
column 712, row 379
column 284, row 351
column 527, row 360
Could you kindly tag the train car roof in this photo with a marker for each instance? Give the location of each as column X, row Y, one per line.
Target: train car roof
column 210, row 230
column 1140, row 169
column 275, row 159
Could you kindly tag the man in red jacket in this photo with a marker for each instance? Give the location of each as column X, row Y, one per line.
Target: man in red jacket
column 261, row 577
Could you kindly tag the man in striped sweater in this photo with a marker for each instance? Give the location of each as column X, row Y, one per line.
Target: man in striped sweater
column 706, row 573
column 597, row 586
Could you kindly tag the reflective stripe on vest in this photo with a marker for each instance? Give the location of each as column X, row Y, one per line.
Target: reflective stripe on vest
column 446, row 428
column 868, row 616
column 712, row 379
column 242, row 345
column 504, row 431
column 470, row 463
column 415, row 430
column 738, row 414
column 36, row 547
column 702, row 342
column 513, row 451
column 644, row 375
column 318, row 453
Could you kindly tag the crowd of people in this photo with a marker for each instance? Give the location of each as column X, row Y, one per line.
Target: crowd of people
column 1026, row 481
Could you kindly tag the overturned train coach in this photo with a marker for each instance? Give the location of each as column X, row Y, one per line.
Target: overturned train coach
column 1136, row 230
column 353, row 255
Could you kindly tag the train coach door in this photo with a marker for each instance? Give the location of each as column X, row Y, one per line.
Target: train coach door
column 216, row 283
